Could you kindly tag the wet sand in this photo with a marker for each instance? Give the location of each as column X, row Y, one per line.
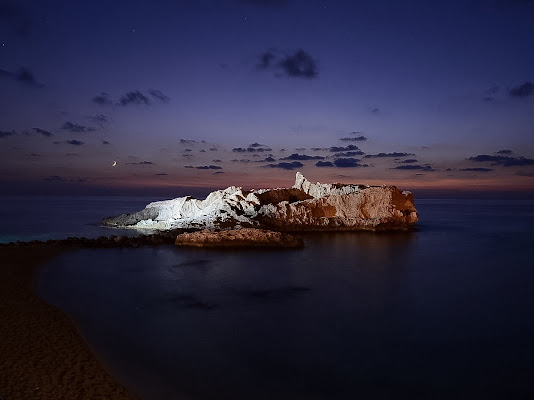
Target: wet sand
column 42, row 354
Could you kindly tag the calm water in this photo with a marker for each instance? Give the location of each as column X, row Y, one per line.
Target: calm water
column 28, row 218
column 445, row 312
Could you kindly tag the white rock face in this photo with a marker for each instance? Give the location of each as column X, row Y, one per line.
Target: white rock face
column 305, row 206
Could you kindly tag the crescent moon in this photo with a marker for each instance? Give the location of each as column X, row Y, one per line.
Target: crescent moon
column 114, row 163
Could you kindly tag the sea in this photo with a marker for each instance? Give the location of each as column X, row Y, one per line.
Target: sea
column 443, row 312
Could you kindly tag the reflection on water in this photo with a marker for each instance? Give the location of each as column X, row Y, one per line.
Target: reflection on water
column 442, row 312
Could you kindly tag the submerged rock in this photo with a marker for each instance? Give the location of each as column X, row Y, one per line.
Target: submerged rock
column 306, row 206
column 245, row 237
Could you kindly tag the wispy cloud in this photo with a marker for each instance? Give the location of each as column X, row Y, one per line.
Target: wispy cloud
column 386, row 155
column 286, row 165
column 43, row 132
column 23, row 75
column 504, row 161
column 524, row 90
column 4, row 134
column 76, row 128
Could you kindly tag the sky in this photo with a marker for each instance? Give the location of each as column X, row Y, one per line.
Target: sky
column 112, row 97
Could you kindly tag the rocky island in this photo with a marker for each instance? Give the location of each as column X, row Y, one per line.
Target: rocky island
column 306, row 206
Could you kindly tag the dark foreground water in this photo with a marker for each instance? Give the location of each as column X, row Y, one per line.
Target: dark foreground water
column 445, row 312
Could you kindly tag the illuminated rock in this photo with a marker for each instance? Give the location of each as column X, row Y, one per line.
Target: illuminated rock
column 306, row 206
column 238, row 238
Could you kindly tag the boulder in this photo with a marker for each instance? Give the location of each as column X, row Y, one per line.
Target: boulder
column 238, row 238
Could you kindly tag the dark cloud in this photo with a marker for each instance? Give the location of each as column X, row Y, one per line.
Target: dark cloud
column 159, row 95
column 4, row 134
column 505, row 151
column 415, row 167
column 134, row 97
column 359, row 138
column 349, row 154
column 324, row 164
column 161, row 174
column 375, row 110
column 266, row 3
column 302, row 157
column 385, row 155
column 256, row 144
column 74, row 142
column 188, row 166
column 350, row 147
column 57, row 178
column 409, row 161
column 214, row 149
column 141, row 163
column 209, row 167
column 251, row 149
column 476, row 169
column 76, row 128
column 188, row 141
column 268, row 159
column 218, row 173
column 522, row 173
column 524, row 90
column 216, row 160
column 105, row 142
column 286, row 165
column 504, row 161
column 266, row 60
column 318, row 149
column 43, row 132
column 23, row 75
column 103, row 99
column 100, row 119
column 16, row 18
column 348, row 163
column 300, row 65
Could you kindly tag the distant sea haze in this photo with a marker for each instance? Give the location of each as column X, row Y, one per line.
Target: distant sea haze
column 443, row 311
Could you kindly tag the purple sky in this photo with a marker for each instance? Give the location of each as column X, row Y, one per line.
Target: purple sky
column 428, row 94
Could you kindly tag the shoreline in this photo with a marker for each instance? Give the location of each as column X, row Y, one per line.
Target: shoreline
column 43, row 355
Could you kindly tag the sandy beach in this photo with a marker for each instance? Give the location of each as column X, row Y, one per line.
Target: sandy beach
column 43, row 356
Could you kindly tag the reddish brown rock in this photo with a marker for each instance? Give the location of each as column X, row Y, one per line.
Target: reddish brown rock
column 246, row 237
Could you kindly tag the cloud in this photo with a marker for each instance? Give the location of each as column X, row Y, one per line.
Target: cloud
column 76, row 128
column 375, row 110
column 385, row 155
column 349, row 154
column 43, row 132
column 266, row 3
column 159, row 95
column 505, row 161
column 476, row 169
column 105, row 142
column 409, row 161
column 251, row 149
column 4, row 134
column 103, row 99
column 350, row 147
column 302, row 157
column 359, row 138
column 505, row 151
column 72, row 142
column 218, row 173
column 161, row 174
column 100, row 119
column 57, row 178
column 324, row 164
column 522, row 173
column 266, row 60
column 524, row 90
column 412, row 167
column 134, row 97
column 23, row 75
column 348, row 163
column 209, row 167
column 141, row 163
column 300, row 65
column 285, row 165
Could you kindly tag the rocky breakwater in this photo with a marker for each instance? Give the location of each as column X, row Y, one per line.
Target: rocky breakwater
column 306, row 206
column 239, row 238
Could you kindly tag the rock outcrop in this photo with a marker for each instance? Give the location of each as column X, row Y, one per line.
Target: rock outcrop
column 239, row 238
column 306, row 206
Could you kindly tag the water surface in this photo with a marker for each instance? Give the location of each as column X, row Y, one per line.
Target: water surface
column 443, row 312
